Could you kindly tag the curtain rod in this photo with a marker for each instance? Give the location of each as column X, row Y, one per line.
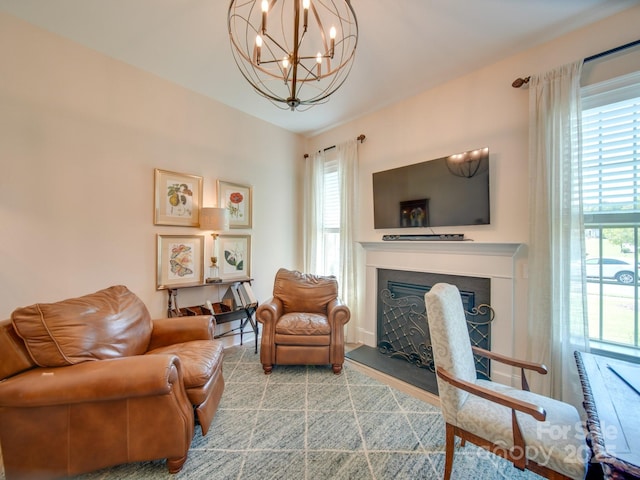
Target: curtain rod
column 518, row 82
column 360, row 138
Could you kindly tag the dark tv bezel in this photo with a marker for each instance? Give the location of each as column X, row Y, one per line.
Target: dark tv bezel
column 480, row 197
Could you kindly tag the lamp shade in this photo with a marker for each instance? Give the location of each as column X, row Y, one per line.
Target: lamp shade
column 214, row 218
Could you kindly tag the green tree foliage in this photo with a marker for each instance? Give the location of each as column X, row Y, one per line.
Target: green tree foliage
column 619, row 236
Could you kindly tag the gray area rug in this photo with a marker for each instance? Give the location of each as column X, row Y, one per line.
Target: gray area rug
column 307, row 423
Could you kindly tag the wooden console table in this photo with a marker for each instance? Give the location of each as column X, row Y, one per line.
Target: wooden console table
column 242, row 313
column 612, row 420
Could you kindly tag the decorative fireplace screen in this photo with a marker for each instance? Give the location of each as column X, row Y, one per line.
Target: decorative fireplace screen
column 403, row 331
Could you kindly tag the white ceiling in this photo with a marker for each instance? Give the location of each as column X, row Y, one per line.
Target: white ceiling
column 405, row 46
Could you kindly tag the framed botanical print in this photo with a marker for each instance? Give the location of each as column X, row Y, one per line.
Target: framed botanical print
column 180, row 260
column 237, row 200
column 235, row 257
column 178, row 198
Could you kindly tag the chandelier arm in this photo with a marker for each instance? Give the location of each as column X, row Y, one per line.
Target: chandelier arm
column 249, row 28
column 347, row 60
column 329, row 72
column 337, row 11
column 322, row 98
column 236, row 48
column 282, row 23
column 323, row 37
column 266, row 62
column 335, row 83
column 275, row 60
column 309, row 73
column 304, row 32
column 284, row 50
column 315, row 75
column 311, row 58
column 263, row 92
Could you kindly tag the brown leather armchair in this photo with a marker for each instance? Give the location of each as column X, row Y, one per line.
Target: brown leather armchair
column 303, row 324
column 92, row 382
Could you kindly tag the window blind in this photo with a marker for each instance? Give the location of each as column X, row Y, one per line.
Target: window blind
column 331, row 210
column 611, row 153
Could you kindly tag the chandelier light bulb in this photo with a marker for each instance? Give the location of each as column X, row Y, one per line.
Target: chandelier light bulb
column 258, row 48
column 332, row 36
column 305, row 6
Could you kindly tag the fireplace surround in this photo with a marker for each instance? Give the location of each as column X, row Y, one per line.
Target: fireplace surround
column 495, row 262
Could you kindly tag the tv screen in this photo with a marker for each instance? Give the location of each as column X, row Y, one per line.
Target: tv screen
column 447, row 191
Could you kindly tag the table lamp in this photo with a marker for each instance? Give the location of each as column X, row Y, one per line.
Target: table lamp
column 217, row 220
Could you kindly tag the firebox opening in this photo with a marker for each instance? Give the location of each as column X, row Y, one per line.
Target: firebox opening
column 403, row 342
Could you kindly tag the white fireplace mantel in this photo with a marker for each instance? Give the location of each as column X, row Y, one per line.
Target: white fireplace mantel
column 492, row 260
column 460, row 247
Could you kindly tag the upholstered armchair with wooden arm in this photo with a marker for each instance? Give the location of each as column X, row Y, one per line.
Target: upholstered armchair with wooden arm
column 303, row 324
column 532, row 431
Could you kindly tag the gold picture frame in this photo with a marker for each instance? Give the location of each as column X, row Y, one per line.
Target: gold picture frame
column 237, row 199
column 180, row 260
column 178, row 198
column 235, row 256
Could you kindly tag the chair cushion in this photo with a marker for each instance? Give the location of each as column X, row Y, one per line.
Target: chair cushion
column 110, row 323
column 198, row 359
column 299, row 323
column 558, row 442
column 300, row 292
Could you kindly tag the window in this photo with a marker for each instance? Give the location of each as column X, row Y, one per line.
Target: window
column 330, row 262
column 330, row 212
column 611, row 207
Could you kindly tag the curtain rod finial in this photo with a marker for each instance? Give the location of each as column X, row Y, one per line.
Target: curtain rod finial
column 518, row 82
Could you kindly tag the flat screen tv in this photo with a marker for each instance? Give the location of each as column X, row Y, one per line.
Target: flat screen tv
column 447, row 191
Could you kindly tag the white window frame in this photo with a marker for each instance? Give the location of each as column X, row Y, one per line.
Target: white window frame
column 611, row 186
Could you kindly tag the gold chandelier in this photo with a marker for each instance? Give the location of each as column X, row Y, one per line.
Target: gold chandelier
column 295, row 53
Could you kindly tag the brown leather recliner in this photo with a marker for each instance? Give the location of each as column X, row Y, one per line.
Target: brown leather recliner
column 92, row 382
column 303, row 324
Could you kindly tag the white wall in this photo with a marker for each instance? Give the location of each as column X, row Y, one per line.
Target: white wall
column 81, row 133
column 477, row 110
column 80, row 136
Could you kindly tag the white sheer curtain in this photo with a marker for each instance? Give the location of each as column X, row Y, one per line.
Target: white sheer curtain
column 349, row 252
column 313, row 211
column 557, row 323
